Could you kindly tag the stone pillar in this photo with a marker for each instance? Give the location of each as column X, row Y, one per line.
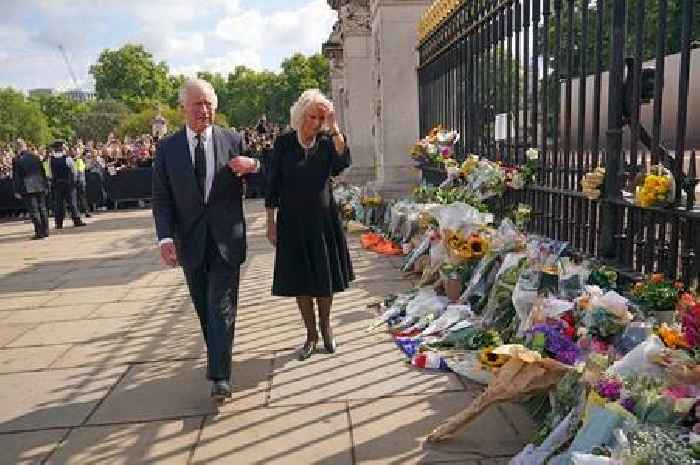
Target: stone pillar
column 395, row 92
column 357, row 89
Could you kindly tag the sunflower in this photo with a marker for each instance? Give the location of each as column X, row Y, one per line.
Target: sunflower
column 491, row 360
column 477, row 245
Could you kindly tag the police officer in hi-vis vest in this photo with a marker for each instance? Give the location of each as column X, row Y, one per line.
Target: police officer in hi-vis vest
column 64, row 185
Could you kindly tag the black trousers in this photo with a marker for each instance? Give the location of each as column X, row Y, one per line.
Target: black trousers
column 64, row 194
column 36, row 206
column 214, row 290
column 82, row 199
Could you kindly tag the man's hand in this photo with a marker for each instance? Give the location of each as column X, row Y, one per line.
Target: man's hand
column 272, row 233
column 168, row 254
column 18, row 196
column 242, row 165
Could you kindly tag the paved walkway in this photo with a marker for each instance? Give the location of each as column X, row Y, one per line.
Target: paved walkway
column 101, row 362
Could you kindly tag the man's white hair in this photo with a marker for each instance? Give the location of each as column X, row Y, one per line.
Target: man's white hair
column 310, row 97
column 201, row 85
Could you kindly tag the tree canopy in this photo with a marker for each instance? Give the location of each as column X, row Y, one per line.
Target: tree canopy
column 131, row 75
column 22, row 117
column 131, row 86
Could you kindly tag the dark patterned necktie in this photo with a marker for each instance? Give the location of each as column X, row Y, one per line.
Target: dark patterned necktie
column 200, row 165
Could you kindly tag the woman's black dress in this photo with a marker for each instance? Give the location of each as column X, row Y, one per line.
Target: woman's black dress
column 312, row 257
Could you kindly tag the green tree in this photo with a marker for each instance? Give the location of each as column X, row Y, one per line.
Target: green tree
column 131, row 75
column 137, row 124
column 21, row 117
column 101, row 118
column 61, row 112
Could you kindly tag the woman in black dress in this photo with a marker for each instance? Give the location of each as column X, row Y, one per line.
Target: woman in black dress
column 312, row 261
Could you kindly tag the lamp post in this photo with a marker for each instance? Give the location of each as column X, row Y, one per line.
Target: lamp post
column 159, row 127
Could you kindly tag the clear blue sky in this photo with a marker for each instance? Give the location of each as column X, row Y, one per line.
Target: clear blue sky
column 189, row 35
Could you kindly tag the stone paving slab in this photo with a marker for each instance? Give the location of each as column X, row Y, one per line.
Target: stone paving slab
column 124, row 309
column 93, row 295
column 31, row 448
column 133, row 350
column 152, row 391
column 10, row 302
column 30, row 358
column 313, row 434
column 12, row 331
column 356, row 372
column 153, row 443
column 51, row 314
column 52, row 399
column 74, row 331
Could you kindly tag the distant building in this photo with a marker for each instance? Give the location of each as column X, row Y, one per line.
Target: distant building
column 41, row 92
column 80, row 95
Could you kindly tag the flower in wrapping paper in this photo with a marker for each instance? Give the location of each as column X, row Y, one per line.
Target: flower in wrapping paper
column 560, row 347
column 609, row 388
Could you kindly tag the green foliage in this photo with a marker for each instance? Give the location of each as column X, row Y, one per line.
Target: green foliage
column 101, row 118
column 130, row 86
column 21, row 117
column 130, row 75
column 62, row 113
column 140, row 123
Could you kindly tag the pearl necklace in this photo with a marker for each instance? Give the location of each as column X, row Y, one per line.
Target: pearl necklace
column 306, row 147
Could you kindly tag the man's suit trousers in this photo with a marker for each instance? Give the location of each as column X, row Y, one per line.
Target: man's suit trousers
column 214, row 290
column 36, row 206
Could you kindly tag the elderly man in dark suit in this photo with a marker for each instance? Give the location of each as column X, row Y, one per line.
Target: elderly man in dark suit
column 31, row 185
column 199, row 220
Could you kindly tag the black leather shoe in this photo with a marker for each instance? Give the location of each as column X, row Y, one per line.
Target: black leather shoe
column 307, row 349
column 79, row 223
column 59, row 226
column 220, row 390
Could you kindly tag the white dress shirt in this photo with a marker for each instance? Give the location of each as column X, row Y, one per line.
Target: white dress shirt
column 208, row 143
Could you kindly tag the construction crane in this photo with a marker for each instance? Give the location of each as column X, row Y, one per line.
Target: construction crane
column 70, row 68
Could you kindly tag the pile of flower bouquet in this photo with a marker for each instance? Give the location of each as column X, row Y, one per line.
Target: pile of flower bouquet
column 656, row 188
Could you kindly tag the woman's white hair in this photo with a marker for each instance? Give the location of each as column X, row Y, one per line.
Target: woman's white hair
column 201, row 85
column 309, row 97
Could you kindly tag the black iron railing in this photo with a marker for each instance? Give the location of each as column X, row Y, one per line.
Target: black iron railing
column 589, row 83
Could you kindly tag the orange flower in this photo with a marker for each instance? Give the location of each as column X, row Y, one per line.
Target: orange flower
column 657, row 278
column 672, row 337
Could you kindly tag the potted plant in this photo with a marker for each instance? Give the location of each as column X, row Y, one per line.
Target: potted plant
column 657, row 297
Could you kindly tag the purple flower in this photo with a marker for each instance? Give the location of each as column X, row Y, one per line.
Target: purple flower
column 556, row 343
column 628, row 404
column 609, row 388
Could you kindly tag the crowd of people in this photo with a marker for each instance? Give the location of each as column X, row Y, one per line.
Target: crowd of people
column 113, row 154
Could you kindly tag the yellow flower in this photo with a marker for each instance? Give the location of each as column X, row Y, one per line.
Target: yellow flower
column 491, row 360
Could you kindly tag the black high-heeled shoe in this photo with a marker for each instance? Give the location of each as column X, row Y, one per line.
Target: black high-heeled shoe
column 328, row 340
column 307, row 349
